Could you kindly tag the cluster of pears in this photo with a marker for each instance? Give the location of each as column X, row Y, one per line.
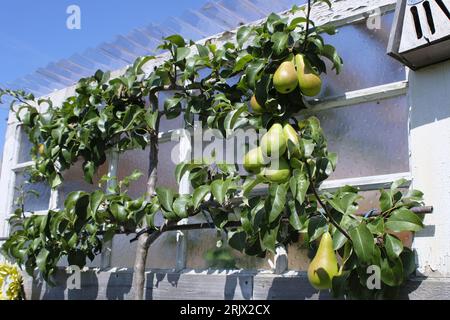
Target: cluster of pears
column 290, row 74
column 324, row 267
column 269, row 160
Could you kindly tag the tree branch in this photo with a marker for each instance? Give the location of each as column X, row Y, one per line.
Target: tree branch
column 328, row 213
column 145, row 240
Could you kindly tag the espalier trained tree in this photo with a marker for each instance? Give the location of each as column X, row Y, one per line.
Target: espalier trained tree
column 277, row 63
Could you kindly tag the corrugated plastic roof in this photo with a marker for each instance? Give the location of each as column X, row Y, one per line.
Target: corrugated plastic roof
column 214, row 17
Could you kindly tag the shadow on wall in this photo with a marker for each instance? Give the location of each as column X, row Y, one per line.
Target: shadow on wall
column 167, row 285
column 192, row 286
column 429, row 94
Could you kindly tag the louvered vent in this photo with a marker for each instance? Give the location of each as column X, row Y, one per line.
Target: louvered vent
column 420, row 34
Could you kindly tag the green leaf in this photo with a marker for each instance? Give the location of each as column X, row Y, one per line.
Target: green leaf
column 233, row 116
column 392, row 272
column 280, row 40
column 182, row 53
column 317, row 226
column 236, row 240
column 180, row 206
column 308, row 147
column 199, row 195
column 176, row 40
column 296, row 22
column 243, row 34
column 219, row 189
column 140, row 62
column 96, row 199
column 338, row 240
column 330, row 52
column 363, row 243
column 278, row 200
column 165, row 197
column 249, row 184
column 242, row 60
column 89, row 170
column 202, row 50
column 180, row 170
column 409, row 262
column 399, row 183
column 404, row 220
column 376, row 226
column 294, row 219
column 173, row 107
column 41, row 259
column 301, row 183
column 394, row 246
column 385, row 200
column 253, row 71
column 344, row 202
column 269, row 239
column 151, row 118
column 119, row 212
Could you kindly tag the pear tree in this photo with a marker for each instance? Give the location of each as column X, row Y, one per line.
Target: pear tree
column 277, row 64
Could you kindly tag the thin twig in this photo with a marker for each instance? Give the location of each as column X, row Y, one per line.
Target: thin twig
column 307, row 25
column 328, row 213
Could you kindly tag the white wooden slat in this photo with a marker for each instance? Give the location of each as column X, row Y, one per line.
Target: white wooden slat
column 113, row 163
column 367, row 183
column 384, row 91
column 184, row 188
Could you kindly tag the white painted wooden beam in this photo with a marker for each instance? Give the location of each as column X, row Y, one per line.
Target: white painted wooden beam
column 113, row 164
column 367, row 183
column 384, row 91
column 363, row 183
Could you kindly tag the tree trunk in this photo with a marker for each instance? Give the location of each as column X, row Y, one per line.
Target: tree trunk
column 145, row 240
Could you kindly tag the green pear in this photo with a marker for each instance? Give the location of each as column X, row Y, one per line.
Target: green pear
column 254, row 160
column 292, row 140
column 277, row 172
column 273, row 143
column 309, row 81
column 285, row 78
column 256, row 107
column 324, row 266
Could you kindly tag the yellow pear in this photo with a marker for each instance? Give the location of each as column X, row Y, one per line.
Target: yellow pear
column 273, row 143
column 254, row 160
column 256, row 107
column 292, row 140
column 41, row 149
column 309, row 81
column 324, row 266
column 285, row 78
column 277, row 172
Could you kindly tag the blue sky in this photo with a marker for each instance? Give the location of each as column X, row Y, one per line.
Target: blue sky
column 34, row 33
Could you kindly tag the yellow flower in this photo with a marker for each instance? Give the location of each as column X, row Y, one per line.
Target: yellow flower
column 10, row 282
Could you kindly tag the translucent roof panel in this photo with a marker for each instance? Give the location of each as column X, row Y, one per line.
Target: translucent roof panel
column 214, row 17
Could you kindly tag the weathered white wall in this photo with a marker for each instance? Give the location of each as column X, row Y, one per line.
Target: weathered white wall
column 429, row 98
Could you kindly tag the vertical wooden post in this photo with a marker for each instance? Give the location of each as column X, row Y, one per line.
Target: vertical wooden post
column 7, row 181
column 184, row 188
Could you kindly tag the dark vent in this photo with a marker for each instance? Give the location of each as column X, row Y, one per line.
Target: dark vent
column 443, row 8
column 415, row 15
column 426, row 6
